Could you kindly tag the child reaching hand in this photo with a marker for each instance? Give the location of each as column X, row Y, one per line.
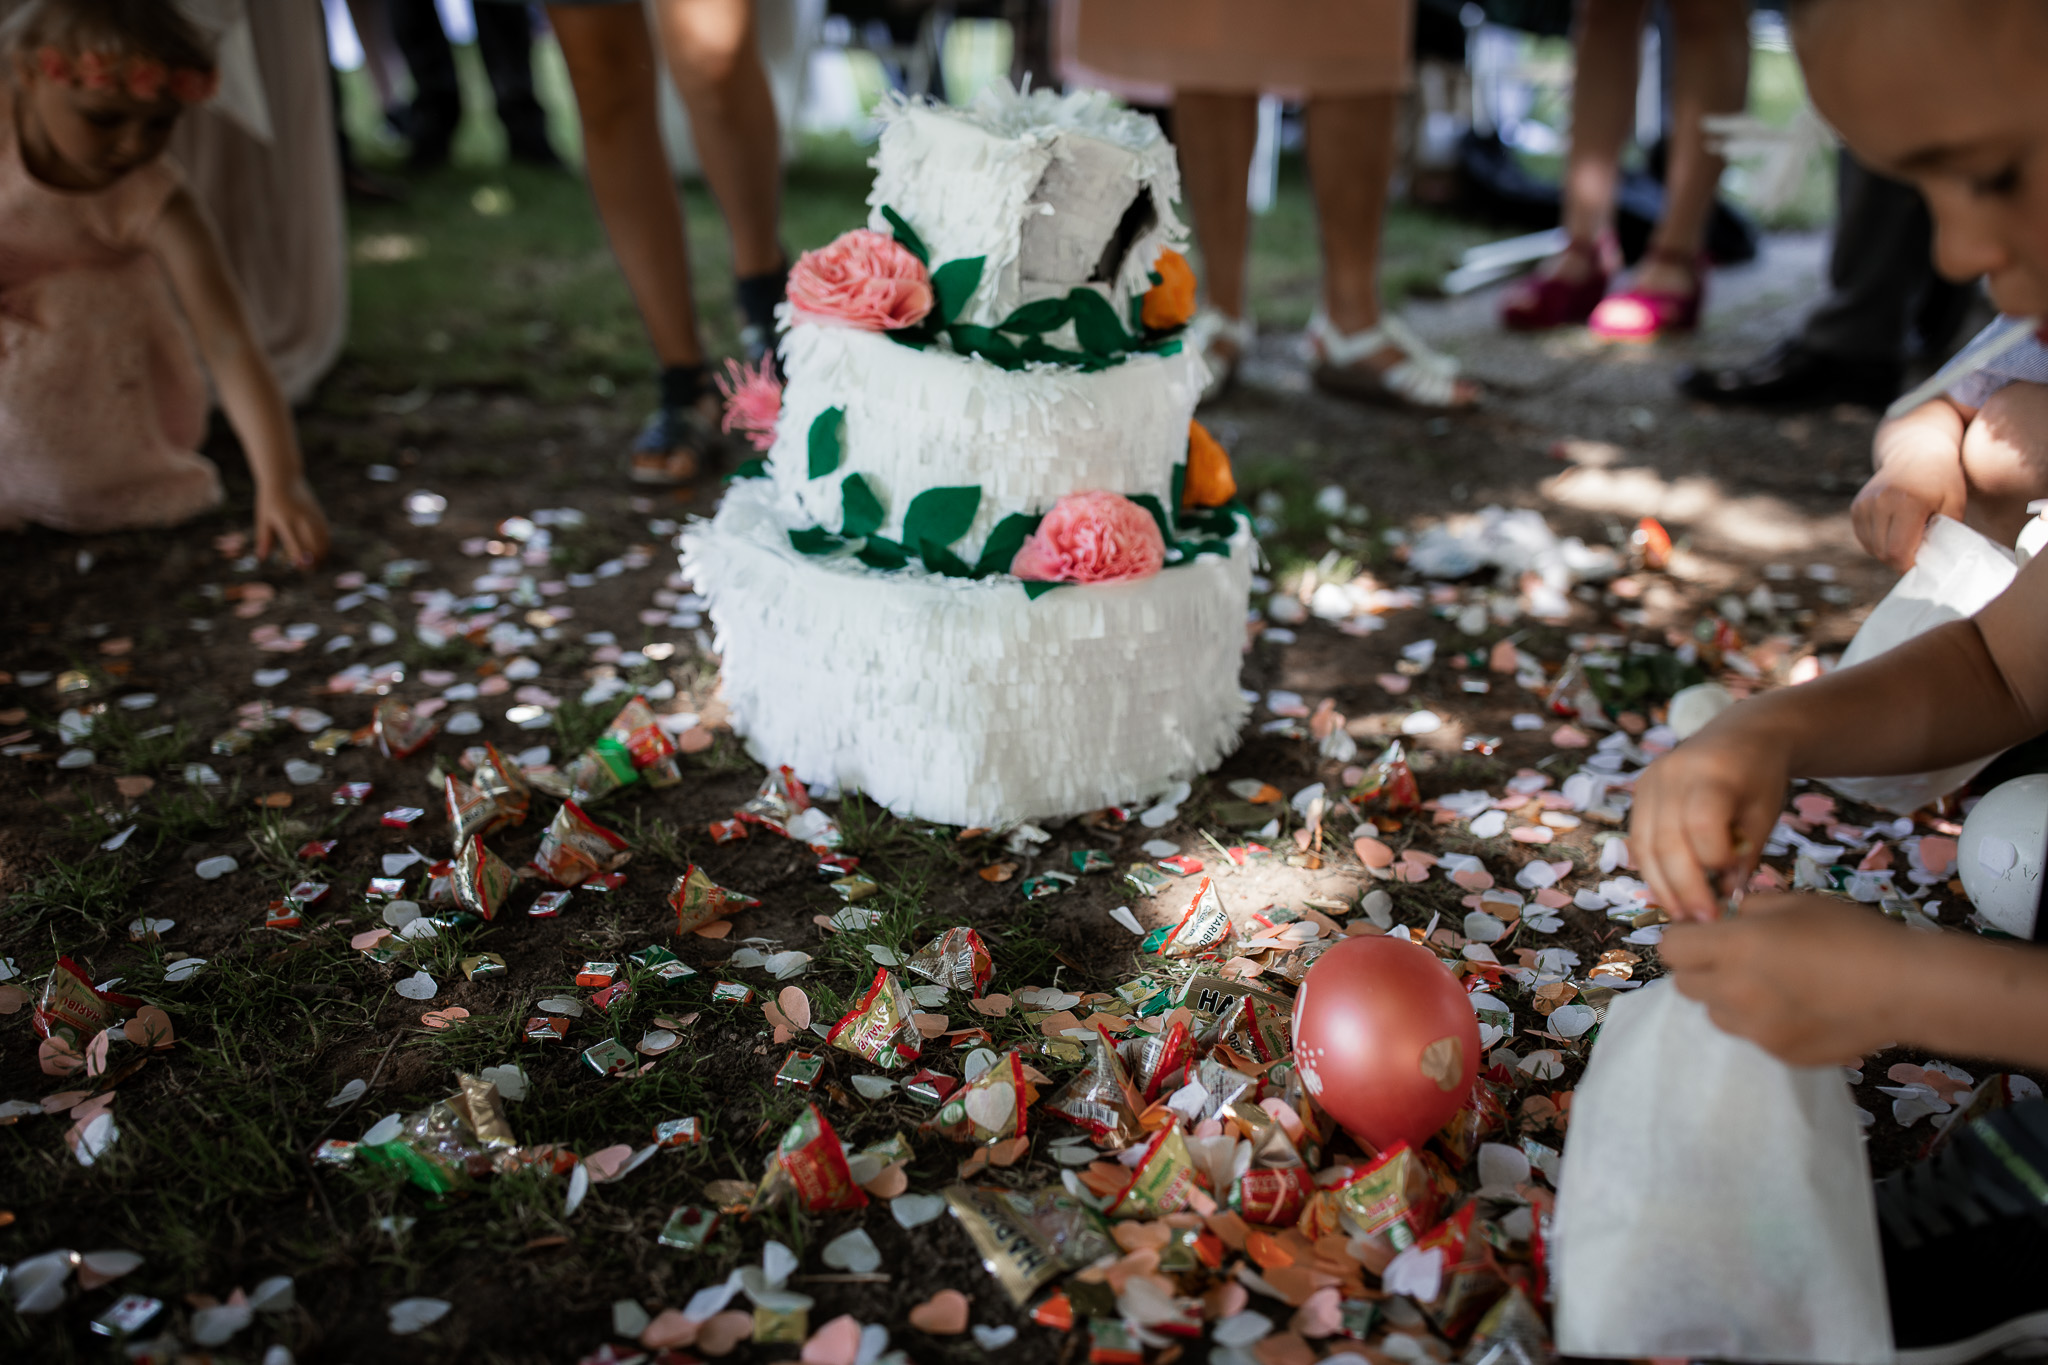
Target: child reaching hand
column 1952, row 95
column 102, row 400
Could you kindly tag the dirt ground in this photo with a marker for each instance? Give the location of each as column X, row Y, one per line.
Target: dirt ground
column 212, row 1179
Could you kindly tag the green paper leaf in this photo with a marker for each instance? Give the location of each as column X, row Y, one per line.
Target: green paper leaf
column 881, row 553
column 953, row 284
column 987, row 343
column 1095, row 324
column 827, row 441
column 1151, row 504
column 912, row 338
column 752, row 469
column 906, row 234
column 1046, row 315
column 999, row 551
column 1180, row 487
column 1137, row 311
column 861, row 508
column 1033, row 589
column 1169, row 347
column 941, row 560
column 941, row 515
column 814, row 540
column 1036, row 349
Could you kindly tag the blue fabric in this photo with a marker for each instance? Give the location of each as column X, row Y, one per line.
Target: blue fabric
column 2025, row 363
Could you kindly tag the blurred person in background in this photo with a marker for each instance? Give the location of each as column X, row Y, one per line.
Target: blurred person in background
column 1709, row 76
column 504, row 39
column 714, row 58
column 1350, row 60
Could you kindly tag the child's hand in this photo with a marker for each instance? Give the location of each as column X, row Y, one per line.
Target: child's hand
column 1919, row 473
column 290, row 518
column 1703, row 812
column 1803, row 977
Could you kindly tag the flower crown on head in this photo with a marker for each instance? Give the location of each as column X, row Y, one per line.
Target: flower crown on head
column 143, row 78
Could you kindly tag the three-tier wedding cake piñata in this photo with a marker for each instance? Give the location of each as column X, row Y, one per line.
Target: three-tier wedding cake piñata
column 989, row 569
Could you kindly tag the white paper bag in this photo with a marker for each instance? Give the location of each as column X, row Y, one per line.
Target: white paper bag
column 1955, row 574
column 1714, row 1202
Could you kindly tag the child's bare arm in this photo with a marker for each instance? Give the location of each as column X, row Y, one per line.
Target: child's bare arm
column 1919, row 459
column 1952, row 994
column 1957, row 692
column 287, row 514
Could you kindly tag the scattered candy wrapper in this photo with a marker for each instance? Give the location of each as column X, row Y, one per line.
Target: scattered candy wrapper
column 576, row 848
column 956, row 959
column 72, row 1008
column 697, row 900
column 400, row 733
column 482, row 880
column 880, row 1028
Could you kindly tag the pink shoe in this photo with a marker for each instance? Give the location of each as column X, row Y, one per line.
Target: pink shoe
column 1646, row 314
column 1542, row 302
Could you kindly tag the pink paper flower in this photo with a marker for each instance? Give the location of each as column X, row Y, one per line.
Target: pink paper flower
column 1092, row 538
column 753, row 401
column 863, row 279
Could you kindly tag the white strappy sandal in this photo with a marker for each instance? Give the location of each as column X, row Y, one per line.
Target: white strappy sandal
column 1205, row 329
column 1425, row 378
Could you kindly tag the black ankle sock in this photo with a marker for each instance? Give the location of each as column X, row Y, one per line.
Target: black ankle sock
column 681, row 386
column 758, row 295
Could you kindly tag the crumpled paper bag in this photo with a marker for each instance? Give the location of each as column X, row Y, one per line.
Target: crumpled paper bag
column 1956, row 573
column 1714, row 1202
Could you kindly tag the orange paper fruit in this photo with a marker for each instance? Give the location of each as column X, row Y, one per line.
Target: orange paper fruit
column 1386, row 1040
column 1209, row 480
column 1171, row 302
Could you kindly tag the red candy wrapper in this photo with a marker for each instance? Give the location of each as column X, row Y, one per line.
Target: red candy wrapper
column 400, row 734
column 725, row 831
column 1273, row 1198
column 698, row 900
column 469, row 811
column 879, row 1027
column 500, row 780
column 1390, row 781
column 639, row 731
column 1473, row 1279
column 1479, row 1118
column 1262, row 1031
column 1206, row 925
column 777, row 803
column 1159, row 1061
column 957, row 960
column 1393, row 1195
column 965, row 1118
column 70, row 1004
column 1100, row 1099
column 815, row 1164
column 482, row 881
column 577, row 848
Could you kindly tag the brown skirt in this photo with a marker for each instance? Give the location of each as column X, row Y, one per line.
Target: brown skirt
column 1296, row 47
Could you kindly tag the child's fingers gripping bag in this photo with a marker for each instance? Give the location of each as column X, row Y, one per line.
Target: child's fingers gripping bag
column 1714, row 1202
column 1956, row 574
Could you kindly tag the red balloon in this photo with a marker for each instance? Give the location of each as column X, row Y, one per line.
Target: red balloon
column 1386, row 1039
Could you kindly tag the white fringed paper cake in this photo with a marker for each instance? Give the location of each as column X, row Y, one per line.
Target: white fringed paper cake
column 859, row 579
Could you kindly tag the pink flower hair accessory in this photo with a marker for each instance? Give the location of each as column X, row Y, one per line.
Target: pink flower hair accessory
column 862, row 279
column 1093, row 537
column 753, row 401
column 143, row 78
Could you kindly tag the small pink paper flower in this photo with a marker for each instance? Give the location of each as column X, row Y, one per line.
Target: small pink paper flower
column 753, row 401
column 1092, row 538
column 146, row 78
column 863, row 279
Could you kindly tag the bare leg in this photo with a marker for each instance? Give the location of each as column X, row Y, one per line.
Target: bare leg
column 1609, row 51
column 1710, row 75
column 716, row 63
column 1350, row 143
column 380, row 53
column 1216, row 134
column 610, row 56
column 2005, row 460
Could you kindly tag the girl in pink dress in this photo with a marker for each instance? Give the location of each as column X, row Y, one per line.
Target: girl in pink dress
column 109, row 273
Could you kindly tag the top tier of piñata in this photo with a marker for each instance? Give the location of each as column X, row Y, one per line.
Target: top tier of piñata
column 1005, row 334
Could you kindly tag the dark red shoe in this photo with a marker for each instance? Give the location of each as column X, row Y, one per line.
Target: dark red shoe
column 1646, row 314
column 1541, row 302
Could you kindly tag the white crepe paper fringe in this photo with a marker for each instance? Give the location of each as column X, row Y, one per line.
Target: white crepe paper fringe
column 961, row 701
column 929, row 419
column 1034, row 183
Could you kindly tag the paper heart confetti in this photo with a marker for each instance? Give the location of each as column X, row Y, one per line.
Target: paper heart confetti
column 437, row 1019
column 415, row 1315
column 418, row 986
column 996, row 1338
column 944, row 1314
column 510, row 1080
column 348, row 1094
column 836, row 1343
column 915, row 1210
column 853, row 1251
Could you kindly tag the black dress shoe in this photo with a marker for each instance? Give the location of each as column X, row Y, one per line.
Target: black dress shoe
column 1792, row 375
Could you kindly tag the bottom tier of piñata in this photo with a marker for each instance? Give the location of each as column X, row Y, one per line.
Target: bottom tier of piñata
column 964, row 701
